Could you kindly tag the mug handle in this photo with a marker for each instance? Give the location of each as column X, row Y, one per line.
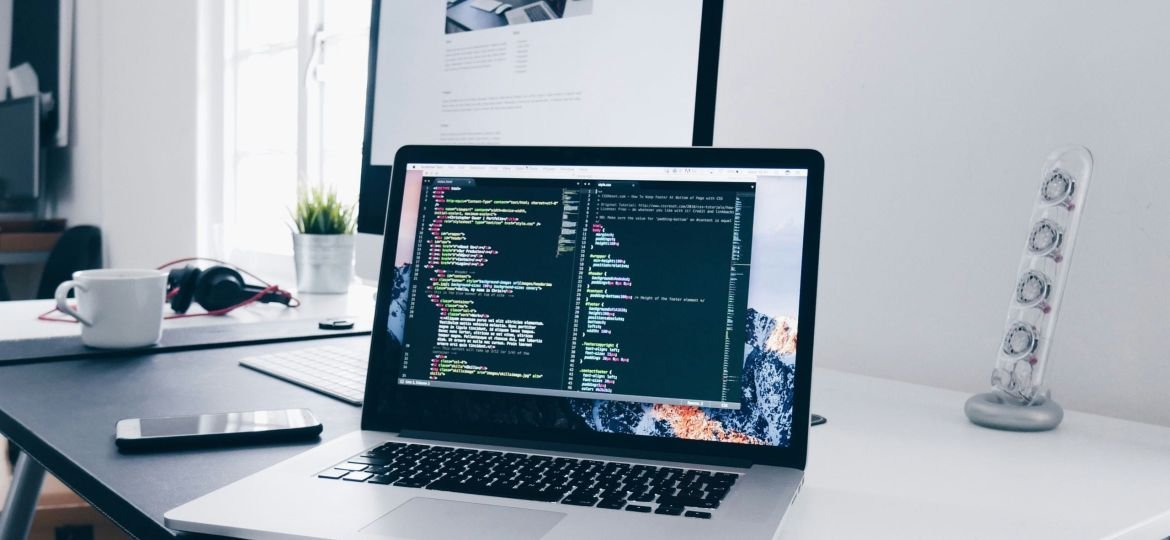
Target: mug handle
column 62, row 296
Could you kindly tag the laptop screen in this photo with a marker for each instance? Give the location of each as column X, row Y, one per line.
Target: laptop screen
column 651, row 301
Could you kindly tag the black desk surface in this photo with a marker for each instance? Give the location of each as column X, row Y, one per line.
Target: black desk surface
column 63, row 413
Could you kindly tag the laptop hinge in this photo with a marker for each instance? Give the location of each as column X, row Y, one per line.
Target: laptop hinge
column 549, row 446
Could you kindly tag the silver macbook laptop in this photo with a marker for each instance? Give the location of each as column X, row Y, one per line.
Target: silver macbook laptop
column 575, row 343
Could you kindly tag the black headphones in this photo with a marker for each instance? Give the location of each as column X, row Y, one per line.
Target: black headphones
column 216, row 288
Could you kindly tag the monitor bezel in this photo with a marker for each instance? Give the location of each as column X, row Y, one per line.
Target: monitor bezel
column 375, row 179
column 383, row 391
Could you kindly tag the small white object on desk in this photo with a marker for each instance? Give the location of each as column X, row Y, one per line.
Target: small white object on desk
column 117, row 309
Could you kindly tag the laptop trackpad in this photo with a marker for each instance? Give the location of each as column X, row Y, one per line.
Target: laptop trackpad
column 453, row 520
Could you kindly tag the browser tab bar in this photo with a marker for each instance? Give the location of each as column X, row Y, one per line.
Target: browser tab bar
column 602, row 172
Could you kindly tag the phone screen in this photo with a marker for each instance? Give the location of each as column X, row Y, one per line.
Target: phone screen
column 239, row 422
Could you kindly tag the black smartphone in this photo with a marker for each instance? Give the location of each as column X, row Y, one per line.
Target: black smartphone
column 220, row 429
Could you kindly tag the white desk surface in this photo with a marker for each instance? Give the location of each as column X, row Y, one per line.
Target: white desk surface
column 18, row 320
column 897, row 460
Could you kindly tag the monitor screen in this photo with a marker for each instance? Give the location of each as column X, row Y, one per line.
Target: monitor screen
column 552, row 72
column 649, row 301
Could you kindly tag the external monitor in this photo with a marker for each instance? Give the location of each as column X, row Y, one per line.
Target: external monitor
column 19, row 151
column 597, row 73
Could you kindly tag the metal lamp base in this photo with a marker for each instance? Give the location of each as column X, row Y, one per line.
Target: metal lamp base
column 991, row 410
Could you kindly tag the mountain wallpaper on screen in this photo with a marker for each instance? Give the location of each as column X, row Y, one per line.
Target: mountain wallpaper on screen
column 765, row 416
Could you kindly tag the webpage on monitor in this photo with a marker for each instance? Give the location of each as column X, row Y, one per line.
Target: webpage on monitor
column 594, row 72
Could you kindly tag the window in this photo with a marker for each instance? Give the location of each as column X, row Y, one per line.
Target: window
column 294, row 103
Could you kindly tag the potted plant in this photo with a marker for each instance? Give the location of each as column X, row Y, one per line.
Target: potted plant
column 323, row 242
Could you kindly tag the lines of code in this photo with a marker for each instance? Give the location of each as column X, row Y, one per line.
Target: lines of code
column 581, row 287
column 442, row 365
column 477, row 273
column 659, row 292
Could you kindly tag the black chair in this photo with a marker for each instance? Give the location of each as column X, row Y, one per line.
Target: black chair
column 79, row 248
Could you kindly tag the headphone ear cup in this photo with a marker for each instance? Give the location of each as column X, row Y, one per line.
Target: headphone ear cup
column 220, row 287
column 185, row 280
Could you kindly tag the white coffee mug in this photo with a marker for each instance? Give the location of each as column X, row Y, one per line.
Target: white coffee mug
column 118, row 309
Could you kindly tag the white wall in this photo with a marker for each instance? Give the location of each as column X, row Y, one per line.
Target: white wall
column 934, row 119
column 134, row 157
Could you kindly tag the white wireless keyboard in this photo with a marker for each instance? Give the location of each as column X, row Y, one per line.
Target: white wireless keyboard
column 334, row 371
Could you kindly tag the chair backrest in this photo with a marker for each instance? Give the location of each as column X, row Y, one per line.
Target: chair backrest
column 79, row 248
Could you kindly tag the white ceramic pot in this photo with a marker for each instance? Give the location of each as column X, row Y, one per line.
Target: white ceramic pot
column 324, row 262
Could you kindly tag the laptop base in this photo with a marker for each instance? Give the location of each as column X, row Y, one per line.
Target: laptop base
column 289, row 501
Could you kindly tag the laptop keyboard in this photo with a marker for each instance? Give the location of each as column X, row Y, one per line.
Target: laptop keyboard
column 334, row 371
column 536, row 14
column 578, row 482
